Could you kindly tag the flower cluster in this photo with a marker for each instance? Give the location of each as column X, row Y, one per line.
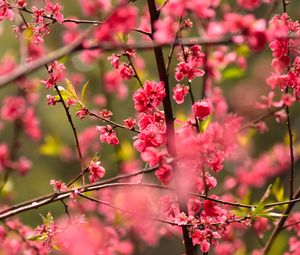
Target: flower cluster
column 287, row 72
column 149, row 97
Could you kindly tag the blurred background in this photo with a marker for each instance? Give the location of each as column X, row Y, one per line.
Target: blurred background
column 54, row 155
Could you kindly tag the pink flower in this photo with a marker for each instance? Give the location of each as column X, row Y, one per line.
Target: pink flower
column 121, row 20
column 94, row 7
column 202, row 109
column 13, row 108
column 153, row 156
column 82, row 113
column 23, row 165
column 189, row 70
column 279, row 47
column 149, row 97
column 96, row 171
column 105, row 114
column 54, row 10
column 56, row 72
column 181, row 219
column 126, row 72
column 249, row 4
column 261, row 225
column 22, row 3
column 51, row 100
column 152, row 135
column 114, row 61
column 179, row 93
column 129, row 123
column 58, row 186
column 32, row 124
column 194, row 206
column 114, row 84
column 164, row 174
column 107, row 134
column 165, row 30
column 281, row 63
column 4, row 156
column 5, row 11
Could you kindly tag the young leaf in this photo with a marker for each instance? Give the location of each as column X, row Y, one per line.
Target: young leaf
column 64, row 93
column 266, row 195
column 232, row 73
column 205, row 123
column 83, row 92
column 278, row 190
column 71, row 89
column 48, row 219
column 37, row 237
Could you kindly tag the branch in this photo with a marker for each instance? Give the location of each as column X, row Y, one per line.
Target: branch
column 109, row 183
column 115, row 124
column 76, row 21
column 290, row 225
column 260, row 118
column 280, row 226
column 27, row 68
column 69, row 117
column 171, row 147
column 292, row 158
column 155, row 218
column 9, row 212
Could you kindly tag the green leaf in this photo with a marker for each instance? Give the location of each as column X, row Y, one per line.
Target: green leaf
column 47, row 220
column 259, row 209
column 160, row 2
column 37, row 238
column 65, row 94
column 278, row 190
column 266, row 195
column 243, row 50
column 51, row 146
column 71, row 89
column 232, row 73
column 83, row 92
column 205, row 123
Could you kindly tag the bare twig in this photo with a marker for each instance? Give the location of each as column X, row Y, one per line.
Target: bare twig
column 280, row 225
column 110, row 183
column 260, row 118
column 69, row 20
column 115, row 124
column 69, row 117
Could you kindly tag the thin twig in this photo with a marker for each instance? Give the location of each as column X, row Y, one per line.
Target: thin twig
column 110, row 183
column 70, row 20
column 290, row 225
column 26, row 69
column 69, row 117
column 115, row 124
column 280, row 225
column 110, row 180
column 134, row 70
column 292, row 158
column 260, row 118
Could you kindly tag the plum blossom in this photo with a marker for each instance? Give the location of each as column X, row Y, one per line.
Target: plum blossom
column 13, row 108
column 149, row 97
column 107, row 134
column 96, row 171
column 202, row 109
column 180, row 91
